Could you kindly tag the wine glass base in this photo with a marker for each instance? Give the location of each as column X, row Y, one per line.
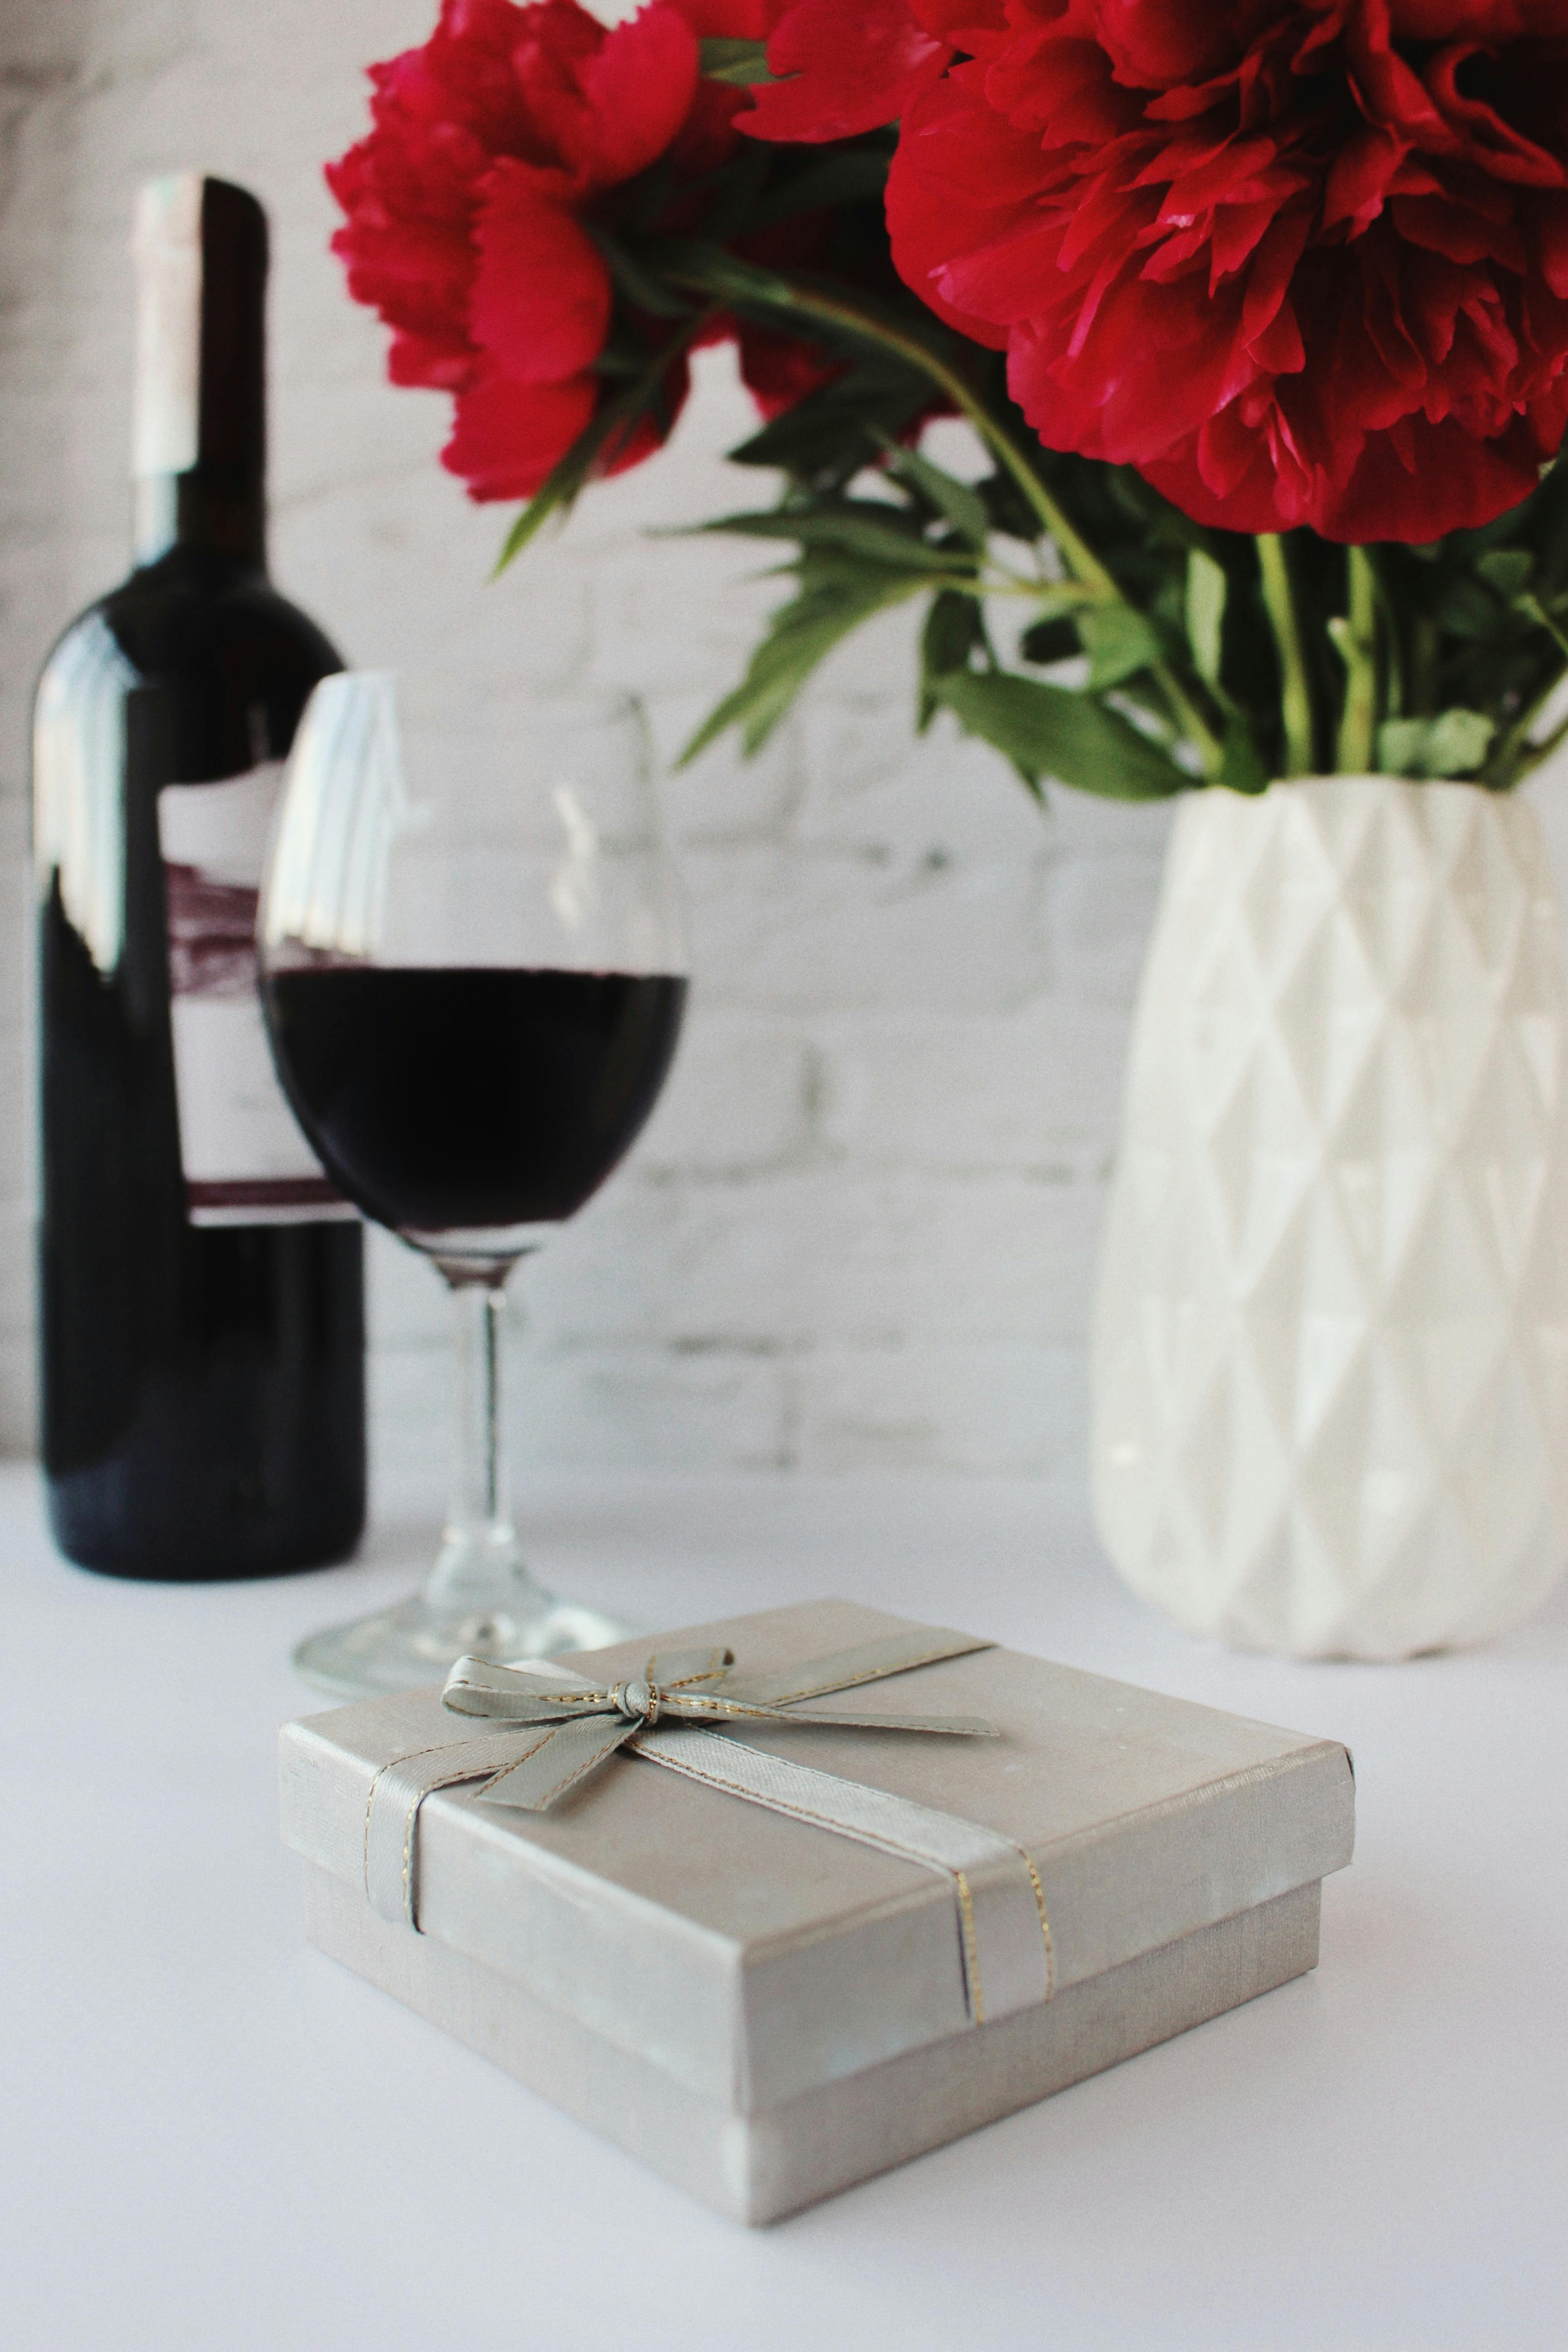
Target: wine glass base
column 411, row 1644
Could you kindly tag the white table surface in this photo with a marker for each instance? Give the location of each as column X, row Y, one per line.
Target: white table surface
column 214, row 2137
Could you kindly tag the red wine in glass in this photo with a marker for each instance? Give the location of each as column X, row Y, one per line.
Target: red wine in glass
column 473, row 970
column 446, row 1103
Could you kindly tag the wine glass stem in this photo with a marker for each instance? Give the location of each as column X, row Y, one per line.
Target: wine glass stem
column 490, row 1464
column 479, row 1562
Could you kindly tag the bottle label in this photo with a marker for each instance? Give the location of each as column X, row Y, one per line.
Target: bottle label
column 246, row 1162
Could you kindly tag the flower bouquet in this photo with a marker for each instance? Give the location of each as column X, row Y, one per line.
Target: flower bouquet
column 1260, row 317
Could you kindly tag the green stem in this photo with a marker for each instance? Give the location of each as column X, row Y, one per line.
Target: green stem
column 1357, row 642
column 1077, row 555
column 1526, row 756
column 1421, row 669
column 1393, row 654
column 1538, row 614
column 1211, row 751
column 567, row 476
column 1007, row 584
column 1513, row 755
column 1295, row 686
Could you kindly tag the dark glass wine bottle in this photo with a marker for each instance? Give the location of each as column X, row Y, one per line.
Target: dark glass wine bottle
column 201, row 1306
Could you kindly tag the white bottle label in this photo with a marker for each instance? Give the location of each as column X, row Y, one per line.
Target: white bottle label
column 246, row 1162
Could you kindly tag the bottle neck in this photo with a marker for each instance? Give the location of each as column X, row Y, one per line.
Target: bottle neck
column 199, row 432
column 202, row 512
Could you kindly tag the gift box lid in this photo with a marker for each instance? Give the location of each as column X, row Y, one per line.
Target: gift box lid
column 752, row 1955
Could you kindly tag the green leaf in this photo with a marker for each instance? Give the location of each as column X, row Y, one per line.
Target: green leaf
column 1533, row 610
column 1119, row 642
column 1046, row 730
column 953, row 627
column 1466, row 610
column 569, row 474
column 1048, row 641
column 745, row 62
column 1508, row 570
column 868, row 529
column 1454, row 745
column 1206, row 586
column 800, row 636
column 964, row 509
column 1157, row 519
column 557, row 491
column 837, row 430
column 1244, row 768
column 729, row 196
column 639, row 286
column 828, row 183
column 726, row 276
column 1063, row 597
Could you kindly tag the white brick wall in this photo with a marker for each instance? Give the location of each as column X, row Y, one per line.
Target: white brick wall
column 859, row 1230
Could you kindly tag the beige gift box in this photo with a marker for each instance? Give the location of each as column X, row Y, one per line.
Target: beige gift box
column 766, row 2011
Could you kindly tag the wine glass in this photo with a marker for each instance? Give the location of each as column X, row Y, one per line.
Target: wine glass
column 473, row 972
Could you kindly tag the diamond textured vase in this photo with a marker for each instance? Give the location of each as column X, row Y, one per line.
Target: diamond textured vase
column 1331, row 1343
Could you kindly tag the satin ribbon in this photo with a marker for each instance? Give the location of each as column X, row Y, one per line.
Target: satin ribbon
column 561, row 1729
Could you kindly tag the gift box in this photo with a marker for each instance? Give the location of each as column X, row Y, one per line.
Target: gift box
column 887, row 1938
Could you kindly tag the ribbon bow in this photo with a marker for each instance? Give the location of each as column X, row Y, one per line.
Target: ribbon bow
column 550, row 1728
column 580, row 1725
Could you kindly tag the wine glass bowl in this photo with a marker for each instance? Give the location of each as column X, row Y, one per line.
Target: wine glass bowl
column 474, row 975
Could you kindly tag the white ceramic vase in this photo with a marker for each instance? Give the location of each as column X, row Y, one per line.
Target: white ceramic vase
column 1330, row 1344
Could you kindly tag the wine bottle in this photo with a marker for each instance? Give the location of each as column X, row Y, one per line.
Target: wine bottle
column 201, row 1305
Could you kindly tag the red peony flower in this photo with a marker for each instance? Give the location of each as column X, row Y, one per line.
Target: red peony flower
column 1299, row 261
column 491, row 146
column 842, row 71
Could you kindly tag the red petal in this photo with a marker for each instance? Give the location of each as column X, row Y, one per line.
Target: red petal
column 854, row 68
column 637, row 89
column 1453, row 482
column 540, row 304
column 506, row 437
column 1179, row 41
column 1551, row 229
column 1361, row 176
column 427, row 362
column 963, row 23
column 726, row 20
column 646, row 432
column 1161, row 360
column 779, row 370
column 1273, row 267
column 1416, row 485
column 416, row 275
column 1278, row 350
column 1457, row 231
column 953, row 191
column 1250, row 503
column 1445, row 20
column 708, row 134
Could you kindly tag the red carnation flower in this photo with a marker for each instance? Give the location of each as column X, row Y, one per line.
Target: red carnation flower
column 491, row 146
column 1299, row 261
